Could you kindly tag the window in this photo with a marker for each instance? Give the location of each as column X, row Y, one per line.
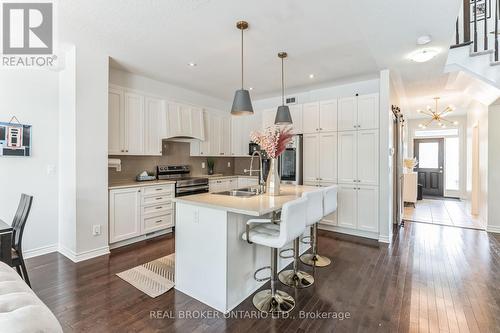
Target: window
column 428, row 154
column 436, row 133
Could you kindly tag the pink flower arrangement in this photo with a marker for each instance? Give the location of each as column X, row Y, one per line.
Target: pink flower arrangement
column 273, row 140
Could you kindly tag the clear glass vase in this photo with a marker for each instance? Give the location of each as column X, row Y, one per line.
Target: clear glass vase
column 273, row 179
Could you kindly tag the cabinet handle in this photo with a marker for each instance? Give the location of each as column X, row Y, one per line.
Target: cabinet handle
column 126, row 151
column 158, row 189
column 138, row 190
column 159, row 198
column 159, row 221
column 159, row 207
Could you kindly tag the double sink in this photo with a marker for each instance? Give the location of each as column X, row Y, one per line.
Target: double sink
column 241, row 192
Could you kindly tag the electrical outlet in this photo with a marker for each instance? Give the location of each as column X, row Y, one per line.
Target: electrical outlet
column 203, row 165
column 228, row 164
column 96, row 229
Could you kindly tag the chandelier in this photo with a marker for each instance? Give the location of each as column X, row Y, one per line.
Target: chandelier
column 437, row 116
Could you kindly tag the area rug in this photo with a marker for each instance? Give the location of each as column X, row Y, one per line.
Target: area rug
column 153, row 278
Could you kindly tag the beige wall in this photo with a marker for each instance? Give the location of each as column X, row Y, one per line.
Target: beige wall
column 478, row 115
column 174, row 153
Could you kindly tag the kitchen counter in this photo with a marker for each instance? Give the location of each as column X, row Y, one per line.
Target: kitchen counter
column 134, row 183
column 257, row 205
column 208, row 243
column 221, row 176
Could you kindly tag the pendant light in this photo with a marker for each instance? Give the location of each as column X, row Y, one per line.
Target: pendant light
column 283, row 116
column 242, row 104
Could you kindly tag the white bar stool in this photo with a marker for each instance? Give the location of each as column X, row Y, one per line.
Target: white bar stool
column 315, row 213
column 296, row 278
column 275, row 236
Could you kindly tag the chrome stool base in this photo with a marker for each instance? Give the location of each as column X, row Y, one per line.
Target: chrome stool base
column 315, row 260
column 281, row 302
column 299, row 279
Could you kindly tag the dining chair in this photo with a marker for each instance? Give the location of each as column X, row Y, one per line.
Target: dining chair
column 18, row 225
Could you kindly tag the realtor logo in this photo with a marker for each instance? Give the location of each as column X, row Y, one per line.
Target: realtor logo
column 27, row 28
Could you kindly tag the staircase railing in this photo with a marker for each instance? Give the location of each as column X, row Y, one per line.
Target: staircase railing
column 464, row 24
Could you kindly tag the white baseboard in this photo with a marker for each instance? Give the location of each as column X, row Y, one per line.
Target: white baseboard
column 348, row 231
column 40, row 251
column 85, row 255
column 384, row 239
column 493, row 229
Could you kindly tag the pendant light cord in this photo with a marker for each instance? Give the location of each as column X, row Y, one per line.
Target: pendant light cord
column 241, row 59
column 282, row 83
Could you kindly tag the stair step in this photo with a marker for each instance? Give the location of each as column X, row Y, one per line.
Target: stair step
column 480, row 53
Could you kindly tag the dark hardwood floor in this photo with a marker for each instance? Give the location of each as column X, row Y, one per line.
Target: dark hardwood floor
column 430, row 279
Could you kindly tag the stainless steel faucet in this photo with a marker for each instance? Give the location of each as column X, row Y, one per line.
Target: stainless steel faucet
column 262, row 183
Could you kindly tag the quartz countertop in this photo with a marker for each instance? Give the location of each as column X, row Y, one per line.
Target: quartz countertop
column 257, row 205
column 134, row 183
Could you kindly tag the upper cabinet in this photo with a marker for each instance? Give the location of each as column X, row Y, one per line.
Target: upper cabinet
column 156, row 125
column 320, row 116
column 217, row 138
column 241, row 128
column 116, row 119
column 359, row 112
column 137, row 123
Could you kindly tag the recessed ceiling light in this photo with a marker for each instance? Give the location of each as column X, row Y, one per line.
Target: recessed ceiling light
column 192, row 64
column 311, row 76
column 423, row 55
column 251, row 88
column 423, row 40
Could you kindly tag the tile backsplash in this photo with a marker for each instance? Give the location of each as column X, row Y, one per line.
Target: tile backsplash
column 174, row 153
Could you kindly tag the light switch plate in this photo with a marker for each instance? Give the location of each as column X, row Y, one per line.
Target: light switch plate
column 203, row 165
column 228, row 164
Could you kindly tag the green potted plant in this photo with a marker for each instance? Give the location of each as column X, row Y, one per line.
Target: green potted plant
column 210, row 165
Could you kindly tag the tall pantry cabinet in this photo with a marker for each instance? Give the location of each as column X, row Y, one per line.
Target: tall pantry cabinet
column 358, row 163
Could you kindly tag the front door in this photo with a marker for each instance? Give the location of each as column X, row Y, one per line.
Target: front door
column 430, row 156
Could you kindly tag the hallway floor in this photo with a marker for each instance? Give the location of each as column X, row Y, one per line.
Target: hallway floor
column 443, row 212
column 431, row 278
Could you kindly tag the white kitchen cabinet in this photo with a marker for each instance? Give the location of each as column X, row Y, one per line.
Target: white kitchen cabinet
column 116, row 121
column 358, row 157
column 156, row 125
column 204, row 145
column 328, row 115
column 368, row 111
column 241, row 128
column 328, row 157
column 347, row 206
column 359, row 112
column 367, row 208
column 310, row 144
column 358, row 207
column 134, row 123
column 347, row 153
column 347, row 114
column 320, row 116
column 320, row 158
column 137, row 211
column 124, row 214
column 310, row 117
column 225, row 136
column 367, row 157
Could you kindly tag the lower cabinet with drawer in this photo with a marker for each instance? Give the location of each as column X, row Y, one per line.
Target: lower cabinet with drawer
column 137, row 211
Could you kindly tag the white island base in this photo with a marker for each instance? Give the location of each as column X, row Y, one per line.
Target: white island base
column 213, row 264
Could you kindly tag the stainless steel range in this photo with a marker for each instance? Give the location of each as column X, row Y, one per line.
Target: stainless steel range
column 185, row 184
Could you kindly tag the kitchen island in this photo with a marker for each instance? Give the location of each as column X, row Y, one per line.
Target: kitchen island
column 213, row 264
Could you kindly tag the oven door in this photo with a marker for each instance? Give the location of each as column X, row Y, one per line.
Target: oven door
column 288, row 165
column 188, row 190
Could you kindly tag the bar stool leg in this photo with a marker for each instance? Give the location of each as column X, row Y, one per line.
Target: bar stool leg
column 314, row 259
column 294, row 277
column 272, row 300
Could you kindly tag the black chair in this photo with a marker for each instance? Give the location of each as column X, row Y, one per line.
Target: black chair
column 18, row 225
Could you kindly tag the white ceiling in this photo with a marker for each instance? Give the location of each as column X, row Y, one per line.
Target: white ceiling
column 332, row 39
